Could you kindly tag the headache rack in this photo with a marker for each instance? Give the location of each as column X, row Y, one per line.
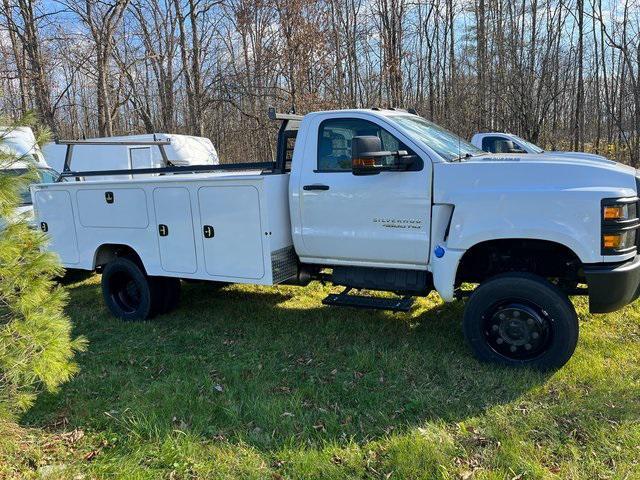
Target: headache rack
column 287, row 135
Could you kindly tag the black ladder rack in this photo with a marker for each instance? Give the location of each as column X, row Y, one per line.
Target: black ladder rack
column 68, row 173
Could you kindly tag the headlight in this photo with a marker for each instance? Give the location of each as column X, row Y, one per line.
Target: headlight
column 620, row 211
column 619, row 241
column 619, row 225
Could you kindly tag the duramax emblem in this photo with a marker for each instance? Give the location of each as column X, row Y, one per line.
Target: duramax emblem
column 399, row 222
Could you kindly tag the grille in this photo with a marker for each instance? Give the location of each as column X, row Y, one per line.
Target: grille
column 284, row 264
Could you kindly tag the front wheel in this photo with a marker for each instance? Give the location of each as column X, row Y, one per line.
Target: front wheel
column 521, row 319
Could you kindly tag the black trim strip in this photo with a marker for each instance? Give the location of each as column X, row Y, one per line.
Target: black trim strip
column 181, row 169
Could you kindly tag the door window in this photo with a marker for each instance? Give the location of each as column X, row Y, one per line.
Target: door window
column 140, row 157
column 500, row 145
column 334, row 142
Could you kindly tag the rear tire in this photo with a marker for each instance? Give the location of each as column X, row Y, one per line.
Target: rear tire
column 520, row 319
column 129, row 293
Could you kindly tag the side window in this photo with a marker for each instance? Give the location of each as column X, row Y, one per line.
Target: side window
column 517, row 148
column 289, row 144
column 491, row 144
column 500, row 145
column 48, row 175
column 334, row 142
column 140, row 157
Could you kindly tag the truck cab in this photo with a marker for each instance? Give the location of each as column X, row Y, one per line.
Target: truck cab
column 380, row 220
column 501, row 142
column 370, row 199
column 21, row 143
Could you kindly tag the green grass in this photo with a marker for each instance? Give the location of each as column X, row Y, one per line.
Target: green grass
column 251, row 382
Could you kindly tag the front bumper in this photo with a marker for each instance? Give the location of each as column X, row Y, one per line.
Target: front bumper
column 612, row 286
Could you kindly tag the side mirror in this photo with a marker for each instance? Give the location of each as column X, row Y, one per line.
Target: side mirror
column 364, row 151
column 367, row 156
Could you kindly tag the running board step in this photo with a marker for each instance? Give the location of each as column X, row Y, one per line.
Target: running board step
column 400, row 304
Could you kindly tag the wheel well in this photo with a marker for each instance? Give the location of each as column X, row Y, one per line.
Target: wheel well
column 545, row 258
column 109, row 251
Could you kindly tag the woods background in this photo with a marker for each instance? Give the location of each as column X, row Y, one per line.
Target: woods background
column 564, row 74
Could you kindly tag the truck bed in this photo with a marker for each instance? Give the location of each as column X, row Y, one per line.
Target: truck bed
column 220, row 226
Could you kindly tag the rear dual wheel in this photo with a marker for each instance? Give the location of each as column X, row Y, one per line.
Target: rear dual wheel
column 130, row 294
column 521, row 319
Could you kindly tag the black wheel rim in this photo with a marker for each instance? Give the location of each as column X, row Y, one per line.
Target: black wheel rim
column 125, row 292
column 518, row 330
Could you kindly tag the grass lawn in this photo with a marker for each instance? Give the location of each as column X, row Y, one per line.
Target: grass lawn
column 250, row 382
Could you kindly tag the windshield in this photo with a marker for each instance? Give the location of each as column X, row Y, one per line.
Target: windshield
column 47, row 175
column 529, row 146
column 446, row 144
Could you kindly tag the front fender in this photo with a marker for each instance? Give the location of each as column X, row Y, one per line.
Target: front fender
column 530, row 200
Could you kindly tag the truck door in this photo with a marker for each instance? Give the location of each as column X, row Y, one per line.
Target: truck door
column 174, row 229
column 372, row 220
column 231, row 231
column 55, row 218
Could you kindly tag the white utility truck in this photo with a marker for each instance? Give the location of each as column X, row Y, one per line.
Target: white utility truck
column 21, row 143
column 369, row 199
column 132, row 152
column 500, row 142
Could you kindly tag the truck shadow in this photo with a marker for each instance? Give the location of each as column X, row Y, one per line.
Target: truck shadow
column 272, row 365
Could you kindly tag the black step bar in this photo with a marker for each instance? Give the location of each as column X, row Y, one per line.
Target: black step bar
column 343, row 299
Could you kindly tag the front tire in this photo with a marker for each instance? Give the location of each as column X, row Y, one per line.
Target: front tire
column 520, row 319
column 129, row 293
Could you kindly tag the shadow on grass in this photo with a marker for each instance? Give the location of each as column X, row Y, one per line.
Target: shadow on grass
column 272, row 366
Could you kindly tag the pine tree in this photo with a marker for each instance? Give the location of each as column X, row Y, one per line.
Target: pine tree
column 36, row 348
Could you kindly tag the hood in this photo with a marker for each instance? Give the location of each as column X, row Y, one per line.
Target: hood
column 579, row 159
column 588, row 156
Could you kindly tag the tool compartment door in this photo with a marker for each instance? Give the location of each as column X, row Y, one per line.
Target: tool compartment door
column 55, row 217
column 109, row 207
column 231, row 231
column 174, row 229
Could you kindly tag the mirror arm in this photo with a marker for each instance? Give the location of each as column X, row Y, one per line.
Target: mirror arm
column 385, row 153
column 380, row 154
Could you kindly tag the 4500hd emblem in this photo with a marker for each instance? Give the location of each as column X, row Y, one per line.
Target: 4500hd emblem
column 399, row 222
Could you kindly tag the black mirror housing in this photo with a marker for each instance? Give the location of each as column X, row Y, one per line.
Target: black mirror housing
column 363, row 145
column 367, row 154
column 364, row 151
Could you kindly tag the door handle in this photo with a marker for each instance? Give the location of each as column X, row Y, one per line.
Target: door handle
column 209, row 231
column 316, row 186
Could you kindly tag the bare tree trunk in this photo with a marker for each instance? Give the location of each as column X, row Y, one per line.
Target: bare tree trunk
column 18, row 57
column 195, row 69
column 481, row 63
column 39, row 79
column 578, row 139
